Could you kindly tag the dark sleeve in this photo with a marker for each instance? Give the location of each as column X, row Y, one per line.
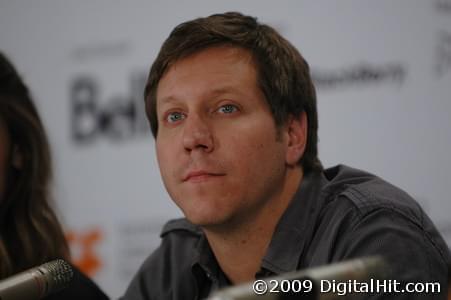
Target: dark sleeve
column 81, row 287
column 414, row 253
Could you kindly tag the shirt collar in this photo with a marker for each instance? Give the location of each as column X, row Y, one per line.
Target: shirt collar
column 205, row 268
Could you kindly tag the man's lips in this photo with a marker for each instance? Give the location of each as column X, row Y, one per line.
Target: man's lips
column 200, row 175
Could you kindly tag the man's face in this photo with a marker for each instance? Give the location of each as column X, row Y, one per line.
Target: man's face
column 218, row 150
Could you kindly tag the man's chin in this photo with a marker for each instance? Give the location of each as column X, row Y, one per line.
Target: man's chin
column 219, row 224
column 204, row 222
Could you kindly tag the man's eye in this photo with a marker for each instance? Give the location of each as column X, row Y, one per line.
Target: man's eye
column 228, row 109
column 174, row 117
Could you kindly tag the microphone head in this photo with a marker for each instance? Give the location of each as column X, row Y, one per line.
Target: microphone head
column 58, row 274
column 38, row 282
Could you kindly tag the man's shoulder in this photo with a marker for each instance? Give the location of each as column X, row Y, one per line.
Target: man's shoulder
column 365, row 215
column 368, row 193
column 363, row 203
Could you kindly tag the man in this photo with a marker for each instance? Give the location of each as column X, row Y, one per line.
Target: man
column 233, row 110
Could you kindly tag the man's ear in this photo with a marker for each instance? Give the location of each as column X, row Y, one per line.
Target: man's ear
column 17, row 158
column 297, row 138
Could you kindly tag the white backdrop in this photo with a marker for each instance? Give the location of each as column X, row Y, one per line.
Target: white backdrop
column 383, row 74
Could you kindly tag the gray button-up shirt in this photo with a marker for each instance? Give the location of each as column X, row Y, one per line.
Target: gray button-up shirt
column 339, row 214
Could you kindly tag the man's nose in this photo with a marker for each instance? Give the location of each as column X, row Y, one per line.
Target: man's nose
column 197, row 134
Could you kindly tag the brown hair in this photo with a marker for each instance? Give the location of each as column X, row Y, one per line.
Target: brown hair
column 30, row 233
column 283, row 74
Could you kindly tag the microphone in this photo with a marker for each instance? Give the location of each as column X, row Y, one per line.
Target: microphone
column 37, row 282
column 309, row 283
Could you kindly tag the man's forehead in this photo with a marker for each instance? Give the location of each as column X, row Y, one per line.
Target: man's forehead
column 225, row 52
column 226, row 64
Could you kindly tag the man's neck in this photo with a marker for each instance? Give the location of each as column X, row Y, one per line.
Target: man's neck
column 239, row 249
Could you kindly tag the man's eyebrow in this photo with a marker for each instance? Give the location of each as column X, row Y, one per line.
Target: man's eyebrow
column 212, row 93
column 225, row 90
column 168, row 99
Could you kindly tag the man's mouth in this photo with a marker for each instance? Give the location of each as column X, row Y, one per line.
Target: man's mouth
column 200, row 175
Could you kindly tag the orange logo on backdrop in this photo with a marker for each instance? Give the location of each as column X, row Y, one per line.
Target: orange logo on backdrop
column 86, row 259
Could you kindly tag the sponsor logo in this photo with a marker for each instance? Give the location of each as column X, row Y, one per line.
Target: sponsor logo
column 119, row 118
column 443, row 6
column 100, row 51
column 82, row 245
column 363, row 74
column 443, row 57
